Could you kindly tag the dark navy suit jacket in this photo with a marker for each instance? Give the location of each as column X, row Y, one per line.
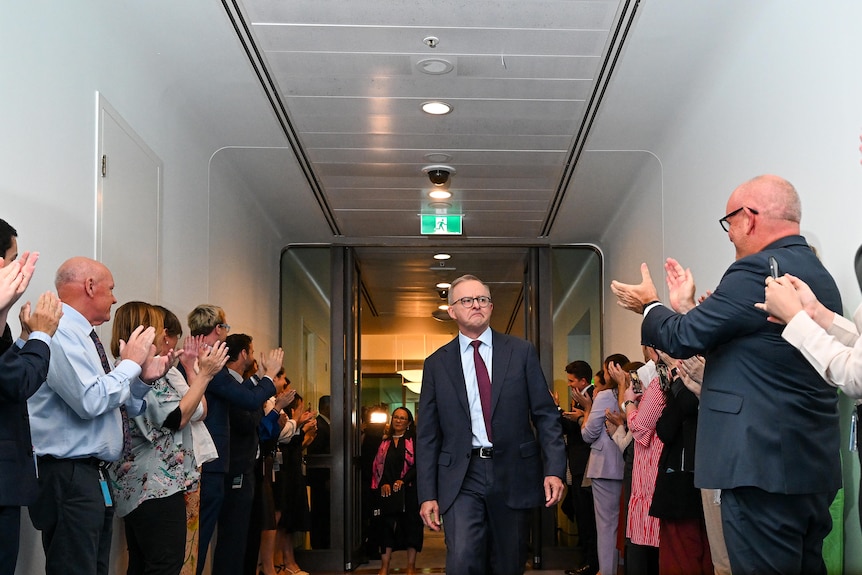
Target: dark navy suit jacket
column 222, row 393
column 767, row 419
column 22, row 371
column 520, row 400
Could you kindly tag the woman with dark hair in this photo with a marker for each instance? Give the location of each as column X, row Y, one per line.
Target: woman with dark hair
column 290, row 493
column 394, row 479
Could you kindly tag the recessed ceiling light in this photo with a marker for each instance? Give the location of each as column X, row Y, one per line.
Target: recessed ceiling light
column 442, row 257
column 440, row 194
column 444, row 285
column 435, row 66
column 436, row 108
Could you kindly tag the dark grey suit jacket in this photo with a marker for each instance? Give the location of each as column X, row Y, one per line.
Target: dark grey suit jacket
column 767, row 419
column 519, row 397
column 22, row 372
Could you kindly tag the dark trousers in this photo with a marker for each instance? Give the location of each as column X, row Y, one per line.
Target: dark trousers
column 483, row 535
column 641, row 559
column 70, row 512
column 775, row 533
column 585, row 517
column 229, row 554
column 10, row 533
column 212, row 496
column 318, row 483
column 156, row 536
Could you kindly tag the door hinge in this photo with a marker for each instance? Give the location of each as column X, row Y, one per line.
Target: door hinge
column 104, row 165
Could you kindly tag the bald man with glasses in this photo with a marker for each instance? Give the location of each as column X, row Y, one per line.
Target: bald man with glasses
column 767, row 433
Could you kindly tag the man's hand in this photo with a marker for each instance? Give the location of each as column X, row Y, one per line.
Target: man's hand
column 554, row 490
column 680, row 285
column 583, row 398
column 11, row 279
column 635, row 297
column 271, row 362
column 45, row 318
column 430, row 514
column 212, row 360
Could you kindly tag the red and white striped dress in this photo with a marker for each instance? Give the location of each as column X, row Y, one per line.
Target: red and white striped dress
column 641, row 527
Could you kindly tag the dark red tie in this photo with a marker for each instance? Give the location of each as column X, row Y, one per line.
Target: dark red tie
column 484, row 381
column 103, row 357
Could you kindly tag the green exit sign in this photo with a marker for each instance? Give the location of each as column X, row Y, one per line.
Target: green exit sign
column 433, row 224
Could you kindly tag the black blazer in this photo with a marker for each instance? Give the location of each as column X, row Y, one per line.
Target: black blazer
column 520, row 400
column 22, row 372
column 767, row 419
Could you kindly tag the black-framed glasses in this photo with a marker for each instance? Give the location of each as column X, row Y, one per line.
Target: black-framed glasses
column 224, row 326
column 482, row 300
column 725, row 223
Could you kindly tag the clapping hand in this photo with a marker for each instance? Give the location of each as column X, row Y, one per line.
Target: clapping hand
column 45, row 317
column 635, row 296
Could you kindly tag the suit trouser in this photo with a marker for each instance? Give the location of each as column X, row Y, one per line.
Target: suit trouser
column 70, row 512
column 229, row 554
column 606, row 498
column 10, row 533
column 481, row 530
column 775, row 533
column 156, row 536
column 585, row 516
column 212, row 496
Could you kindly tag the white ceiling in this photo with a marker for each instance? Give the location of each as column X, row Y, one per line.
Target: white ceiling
column 537, row 87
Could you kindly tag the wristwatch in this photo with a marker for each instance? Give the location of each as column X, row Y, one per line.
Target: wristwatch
column 627, row 402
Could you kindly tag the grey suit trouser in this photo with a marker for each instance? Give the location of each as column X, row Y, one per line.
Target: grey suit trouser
column 606, row 497
column 484, row 535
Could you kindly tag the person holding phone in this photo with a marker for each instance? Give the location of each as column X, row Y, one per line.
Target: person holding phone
column 775, row 504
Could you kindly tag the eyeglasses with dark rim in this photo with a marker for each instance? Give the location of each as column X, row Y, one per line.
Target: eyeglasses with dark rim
column 224, row 326
column 482, row 300
column 725, row 224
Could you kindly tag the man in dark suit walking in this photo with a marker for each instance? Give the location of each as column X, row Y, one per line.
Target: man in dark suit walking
column 479, row 460
column 767, row 432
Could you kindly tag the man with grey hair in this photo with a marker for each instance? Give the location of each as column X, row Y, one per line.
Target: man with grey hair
column 489, row 445
column 767, row 432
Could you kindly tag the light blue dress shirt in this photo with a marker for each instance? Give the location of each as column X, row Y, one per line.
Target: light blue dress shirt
column 76, row 412
column 477, row 419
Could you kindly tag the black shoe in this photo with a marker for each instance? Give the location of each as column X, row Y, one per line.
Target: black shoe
column 582, row 570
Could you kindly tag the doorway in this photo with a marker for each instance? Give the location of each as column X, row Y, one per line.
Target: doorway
column 363, row 309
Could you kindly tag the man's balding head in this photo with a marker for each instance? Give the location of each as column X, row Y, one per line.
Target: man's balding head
column 87, row 286
column 769, row 209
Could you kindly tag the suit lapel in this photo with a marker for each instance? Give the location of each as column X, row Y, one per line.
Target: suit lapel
column 455, row 371
column 502, row 354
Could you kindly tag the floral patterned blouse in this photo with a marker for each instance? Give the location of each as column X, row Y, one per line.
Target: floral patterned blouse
column 160, row 463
